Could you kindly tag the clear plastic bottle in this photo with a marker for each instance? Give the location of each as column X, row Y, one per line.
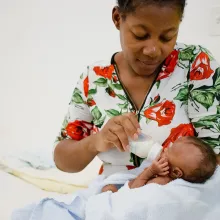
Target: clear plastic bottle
column 145, row 147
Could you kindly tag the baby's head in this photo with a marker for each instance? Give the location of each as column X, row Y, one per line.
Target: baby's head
column 191, row 159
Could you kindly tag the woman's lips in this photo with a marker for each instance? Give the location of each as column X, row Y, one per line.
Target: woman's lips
column 149, row 63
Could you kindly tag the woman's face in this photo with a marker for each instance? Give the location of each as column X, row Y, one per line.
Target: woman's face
column 147, row 36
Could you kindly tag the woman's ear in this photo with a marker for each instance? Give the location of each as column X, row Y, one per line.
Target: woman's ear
column 176, row 173
column 116, row 17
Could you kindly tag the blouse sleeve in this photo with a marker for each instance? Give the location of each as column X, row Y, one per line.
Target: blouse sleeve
column 77, row 123
column 204, row 97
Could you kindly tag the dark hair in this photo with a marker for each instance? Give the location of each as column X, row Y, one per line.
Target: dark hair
column 207, row 164
column 129, row 6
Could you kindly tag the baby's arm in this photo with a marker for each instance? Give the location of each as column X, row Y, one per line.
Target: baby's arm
column 159, row 166
column 110, row 187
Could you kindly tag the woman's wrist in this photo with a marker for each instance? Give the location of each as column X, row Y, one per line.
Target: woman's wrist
column 92, row 144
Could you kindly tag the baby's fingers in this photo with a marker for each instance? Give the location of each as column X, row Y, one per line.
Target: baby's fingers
column 158, row 158
column 164, row 173
column 162, row 160
column 163, row 165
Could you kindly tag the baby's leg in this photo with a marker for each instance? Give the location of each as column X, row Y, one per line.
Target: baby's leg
column 110, row 187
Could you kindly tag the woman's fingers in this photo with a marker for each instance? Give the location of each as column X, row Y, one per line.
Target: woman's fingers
column 134, row 120
column 117, row 132
column 121, row 135
column 113, row 138
column 130, row 124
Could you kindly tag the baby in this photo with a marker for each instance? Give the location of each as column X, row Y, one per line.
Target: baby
column 188, row 158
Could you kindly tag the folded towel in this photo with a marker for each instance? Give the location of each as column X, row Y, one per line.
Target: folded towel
column 177, row 200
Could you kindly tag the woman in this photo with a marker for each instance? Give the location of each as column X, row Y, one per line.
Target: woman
column 154, row 84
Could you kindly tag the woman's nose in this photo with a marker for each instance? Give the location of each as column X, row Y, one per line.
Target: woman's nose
column 151, row 50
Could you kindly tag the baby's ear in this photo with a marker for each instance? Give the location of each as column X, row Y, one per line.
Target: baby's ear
column 177, row 172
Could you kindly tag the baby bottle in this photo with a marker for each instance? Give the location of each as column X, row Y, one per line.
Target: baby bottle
column 145, row 147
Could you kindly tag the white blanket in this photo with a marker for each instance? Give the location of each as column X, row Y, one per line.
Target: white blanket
column 177, row 200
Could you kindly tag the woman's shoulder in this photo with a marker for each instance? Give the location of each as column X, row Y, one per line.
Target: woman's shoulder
column 102, row 68
column 100, row 63
column 188, row 52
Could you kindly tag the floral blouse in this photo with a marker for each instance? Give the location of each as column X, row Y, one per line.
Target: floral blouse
column 184, row 100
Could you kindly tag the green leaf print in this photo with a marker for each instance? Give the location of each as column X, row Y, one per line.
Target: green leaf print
column 218, row 109
column 207, row 52
column 77, row 98
column 212, row 142
column 182, row 94
column 81, row 76
column 101, row 82
column 158, row 84
column 209, row 122
column 99, row 122
column 92, row 91
column 65, row 122
column 216, row 79
column 203, row 97
column 121, row 97
column 117, row 86
column 207, row 89
column 203, row 124
column 96, row 113
column 112, row 112
column 187, row 54
column 76, row 90
column 123, row 106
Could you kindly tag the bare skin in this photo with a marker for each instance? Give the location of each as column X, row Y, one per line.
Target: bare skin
column 174, row 162
column 156, row 173
column 147, row 38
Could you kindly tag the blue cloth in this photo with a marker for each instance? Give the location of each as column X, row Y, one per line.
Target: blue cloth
column 50, row 209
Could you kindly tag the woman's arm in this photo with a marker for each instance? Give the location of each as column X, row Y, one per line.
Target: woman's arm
column 73, row 156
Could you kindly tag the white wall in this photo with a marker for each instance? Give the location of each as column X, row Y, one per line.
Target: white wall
column 45, row 44
column 196, row 25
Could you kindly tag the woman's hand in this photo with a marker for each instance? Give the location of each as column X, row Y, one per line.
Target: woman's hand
column 116, row 133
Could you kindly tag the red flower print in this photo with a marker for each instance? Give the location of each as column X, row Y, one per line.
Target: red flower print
column 162, row 112
column 169, row 65
column 180, row 131
column 157, row 98
column 91, row 102
column 110, row 92
column 77, row 130
column 106, row 72
column 201, row 67
column 101, row 170
column 115, row 79
column 86, row 86
column 130, row 167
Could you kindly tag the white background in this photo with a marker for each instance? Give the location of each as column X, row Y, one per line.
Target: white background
column 44, row 46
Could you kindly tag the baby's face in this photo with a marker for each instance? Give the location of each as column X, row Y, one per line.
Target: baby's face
column 184, row 155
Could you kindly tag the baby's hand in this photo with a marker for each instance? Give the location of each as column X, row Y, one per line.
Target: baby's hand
column 160, row 166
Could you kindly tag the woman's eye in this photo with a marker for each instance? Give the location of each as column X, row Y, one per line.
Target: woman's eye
column 166, row 39
column 141, row 37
